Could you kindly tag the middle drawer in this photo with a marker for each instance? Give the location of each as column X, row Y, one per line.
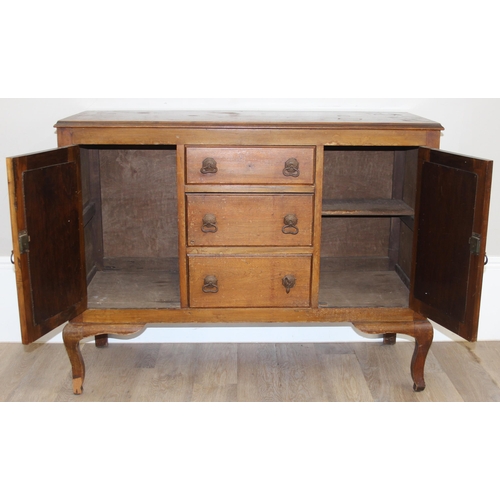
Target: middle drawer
column 249, row 219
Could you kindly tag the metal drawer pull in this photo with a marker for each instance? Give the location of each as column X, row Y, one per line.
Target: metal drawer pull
column 288, row 282
column 209, row 224
column 290, row 226
column 291, row 168
column 210, row 285
column 209, row 166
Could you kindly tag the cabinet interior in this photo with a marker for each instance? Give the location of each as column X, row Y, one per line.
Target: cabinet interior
column 131, row 226
column 131, row 232
column 367, row 226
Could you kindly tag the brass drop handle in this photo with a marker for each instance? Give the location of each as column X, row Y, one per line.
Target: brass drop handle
column 209, row 223
column 291, row 168
column 209, row 166
column 210, row 284
column 288, row 282
column 290, row 226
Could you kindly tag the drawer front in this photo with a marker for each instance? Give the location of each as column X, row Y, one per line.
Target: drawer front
column 250, row 165
column 249, row 219
column 248, row 281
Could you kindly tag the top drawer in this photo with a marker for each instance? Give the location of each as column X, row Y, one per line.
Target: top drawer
column 250, row 165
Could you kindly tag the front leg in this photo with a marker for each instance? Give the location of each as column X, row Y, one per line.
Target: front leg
column 74, row 332
column 420, row 329
column 101, row 340
column 423, row 334
column 389, row 339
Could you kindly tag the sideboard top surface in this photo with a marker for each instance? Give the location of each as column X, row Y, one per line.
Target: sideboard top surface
column 249, row 119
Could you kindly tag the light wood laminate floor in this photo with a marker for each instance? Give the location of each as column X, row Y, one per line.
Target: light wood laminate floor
column 251, row 372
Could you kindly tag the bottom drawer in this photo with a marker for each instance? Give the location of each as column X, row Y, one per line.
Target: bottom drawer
column 247, row 281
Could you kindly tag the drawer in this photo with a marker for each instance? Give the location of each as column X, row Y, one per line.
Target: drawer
column 249, row 219
column 249, row 281
column 250, row 165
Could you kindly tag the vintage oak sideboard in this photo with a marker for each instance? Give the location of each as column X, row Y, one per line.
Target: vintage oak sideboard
column 255, row 217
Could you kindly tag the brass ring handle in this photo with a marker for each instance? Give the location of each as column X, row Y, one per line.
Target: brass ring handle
column 209, row 166
column 290, row 226
column 209, row 224
column 210, row 284
column 288, row 282
column 291, row 168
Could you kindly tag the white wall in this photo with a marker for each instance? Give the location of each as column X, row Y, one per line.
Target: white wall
column 26, row 125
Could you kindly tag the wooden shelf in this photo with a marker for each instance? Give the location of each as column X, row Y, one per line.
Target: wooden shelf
column 134, row 289
column 364, row 207
column 360, row 282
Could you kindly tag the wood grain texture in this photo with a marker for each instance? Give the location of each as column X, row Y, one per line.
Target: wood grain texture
column 420, row 329
column 358, row 173
column 465, row 369
column 362, row 289
column 258, row 373
column 329, row 136
column 250, row 165
column 139, row 202
column 216, row 373
column 364, row 207
column 250, row 281
column 46, row 202
column 453, row 194
column 248, row 315
column 264, row 119
column 341, row 373
column 300, row 378
column 53, row 214
column 251, row 372
column 141, row 288
column 249, row 220
column 355, row 236
column 172, row 377
column 73, row 333
column 381, row 363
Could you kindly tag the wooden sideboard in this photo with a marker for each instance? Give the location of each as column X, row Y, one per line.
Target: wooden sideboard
column 255, row 217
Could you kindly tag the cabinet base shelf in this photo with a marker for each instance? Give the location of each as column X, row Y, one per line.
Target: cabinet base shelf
column 344, row 283
column 366, row 208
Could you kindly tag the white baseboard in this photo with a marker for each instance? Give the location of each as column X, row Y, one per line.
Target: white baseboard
column 488, row 329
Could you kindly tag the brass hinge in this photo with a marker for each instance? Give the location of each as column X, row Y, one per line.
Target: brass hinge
column 24, row 242
column 475, row 244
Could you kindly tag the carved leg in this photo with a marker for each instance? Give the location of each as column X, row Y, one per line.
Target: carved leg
column 389, row 338
column 74, row 332
column 420, row 329
column 423, row 334
column 101, row 340
column 71, row 337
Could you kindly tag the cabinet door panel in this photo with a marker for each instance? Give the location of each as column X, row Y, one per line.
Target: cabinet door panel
column 450, row 239
column 47, row 225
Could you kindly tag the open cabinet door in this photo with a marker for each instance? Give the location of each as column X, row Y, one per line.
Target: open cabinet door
column 451, row 220
column 47, row 229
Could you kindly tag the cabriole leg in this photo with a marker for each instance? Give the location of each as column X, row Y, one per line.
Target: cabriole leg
column 74, row 332
column 389, row 338
column 420, row 329
column 101, row 340
column 423, row 334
